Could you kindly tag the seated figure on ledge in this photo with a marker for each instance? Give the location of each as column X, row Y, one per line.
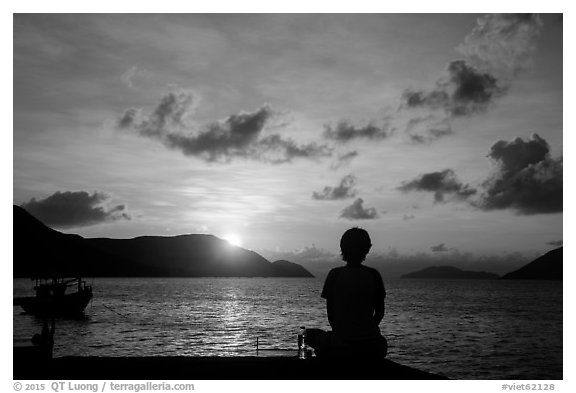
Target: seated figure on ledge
column 354, row 296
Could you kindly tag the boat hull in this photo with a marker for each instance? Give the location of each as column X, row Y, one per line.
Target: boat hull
column 71, row 304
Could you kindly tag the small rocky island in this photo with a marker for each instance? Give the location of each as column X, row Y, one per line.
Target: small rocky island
column 451, row 273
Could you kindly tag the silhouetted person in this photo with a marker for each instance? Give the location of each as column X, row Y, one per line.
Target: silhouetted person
column 47, row 335
column 354, row 296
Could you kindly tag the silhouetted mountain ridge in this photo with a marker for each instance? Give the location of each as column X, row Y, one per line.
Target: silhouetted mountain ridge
column 40, row 250
column 449, row 272
column 547, row 267
column 287, row 266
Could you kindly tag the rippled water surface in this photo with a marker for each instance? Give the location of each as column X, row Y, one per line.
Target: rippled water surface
column 467, row 329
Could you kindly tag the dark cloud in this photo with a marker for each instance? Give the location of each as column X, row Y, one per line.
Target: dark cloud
column 234, row 137
column 356, row 211
column 502, row 43
column 238, row 136
column 556, row 243
column 344, row 190
column 439, row 248
column 128, row 119
column 473, row 90
column 443, row 184
column 526, row 180
column 465, row 91
column 514, row 156
column 169, row 116
column 344, row 132
column 434, row 99
column 75, row 209
column 499, row 47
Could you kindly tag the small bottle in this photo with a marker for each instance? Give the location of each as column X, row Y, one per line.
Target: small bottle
column 302, row 347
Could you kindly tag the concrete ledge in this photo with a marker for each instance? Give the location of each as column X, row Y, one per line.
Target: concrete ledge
column 213, row 368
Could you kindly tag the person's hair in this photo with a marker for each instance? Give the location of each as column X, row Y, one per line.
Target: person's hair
column 355, row 245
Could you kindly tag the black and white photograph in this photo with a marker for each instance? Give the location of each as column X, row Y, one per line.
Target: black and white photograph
column 288, row 196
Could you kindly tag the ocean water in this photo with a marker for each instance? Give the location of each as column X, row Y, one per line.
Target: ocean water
column 463, row 329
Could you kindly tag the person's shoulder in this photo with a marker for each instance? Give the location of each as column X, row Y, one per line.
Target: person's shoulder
column 335, row 271
column 372, row 270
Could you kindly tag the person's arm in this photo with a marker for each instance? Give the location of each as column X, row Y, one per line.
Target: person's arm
column 330, row 312
column 379, row 299
column 327, row 294
column 379, row 311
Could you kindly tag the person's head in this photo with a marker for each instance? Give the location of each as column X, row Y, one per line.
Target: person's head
column 355, row 245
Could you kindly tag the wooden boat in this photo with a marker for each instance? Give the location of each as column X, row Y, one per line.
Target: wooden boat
column 52, row 298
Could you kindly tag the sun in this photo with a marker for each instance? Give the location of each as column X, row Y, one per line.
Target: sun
column 233, row 239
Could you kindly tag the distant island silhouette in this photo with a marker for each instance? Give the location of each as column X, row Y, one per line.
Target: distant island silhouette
column 40, row 250
column 546, row 267
column 450, row 272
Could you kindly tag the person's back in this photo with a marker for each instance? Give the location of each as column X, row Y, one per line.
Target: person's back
column 353, row 293
column 355, row 303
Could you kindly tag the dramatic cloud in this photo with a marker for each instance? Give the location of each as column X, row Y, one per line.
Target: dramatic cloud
column 556, row 243
column 443, row 184
column 169, row 116
column 498, row 48
column 75, row 209
column 345, row 132
column 235, row 136
column 527, row 179
column 344, row 190
column 518, row 154
column 238, row 136
column 357, row 212
column 502, row 43
column 439, row 248
column 466, row 91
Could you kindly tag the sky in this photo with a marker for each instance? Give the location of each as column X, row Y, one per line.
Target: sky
column 441, row 134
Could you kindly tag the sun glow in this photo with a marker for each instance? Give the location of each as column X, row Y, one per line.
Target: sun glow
column 233, row 239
